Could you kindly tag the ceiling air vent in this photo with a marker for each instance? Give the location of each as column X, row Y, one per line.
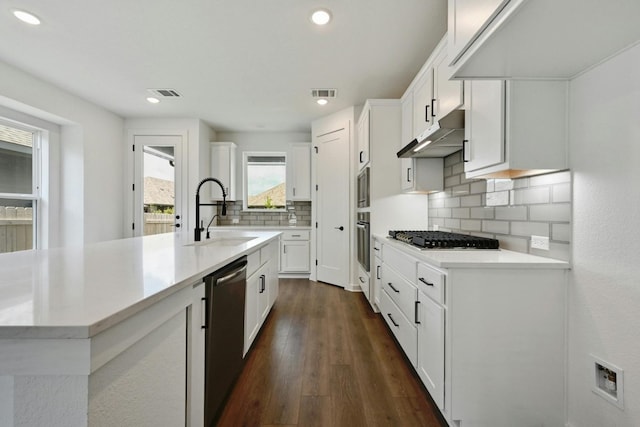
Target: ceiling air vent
column 324, row 93
column 165, row 93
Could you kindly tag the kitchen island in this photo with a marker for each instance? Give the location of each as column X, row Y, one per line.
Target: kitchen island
column 109, row 333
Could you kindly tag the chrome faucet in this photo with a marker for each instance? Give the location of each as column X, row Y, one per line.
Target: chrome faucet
column 199, row 228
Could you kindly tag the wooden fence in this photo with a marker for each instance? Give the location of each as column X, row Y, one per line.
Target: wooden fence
column 156, row 223
column 16, row 229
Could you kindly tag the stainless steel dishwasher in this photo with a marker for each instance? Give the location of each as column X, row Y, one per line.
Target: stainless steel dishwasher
column 225, row 295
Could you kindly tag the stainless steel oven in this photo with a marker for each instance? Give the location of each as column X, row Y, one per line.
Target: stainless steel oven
column 363, row 188
column 364, row 241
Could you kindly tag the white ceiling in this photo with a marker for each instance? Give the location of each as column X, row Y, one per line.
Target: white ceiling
column 240, row 65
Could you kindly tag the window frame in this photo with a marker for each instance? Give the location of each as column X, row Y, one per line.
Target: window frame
column 245, row 183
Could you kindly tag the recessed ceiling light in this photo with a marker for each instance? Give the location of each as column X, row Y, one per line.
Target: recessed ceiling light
column 321, row 17
column 26, row 17
column 322, row 101
column 153, row 100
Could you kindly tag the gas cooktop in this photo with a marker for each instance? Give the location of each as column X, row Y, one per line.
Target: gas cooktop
column 443, row 240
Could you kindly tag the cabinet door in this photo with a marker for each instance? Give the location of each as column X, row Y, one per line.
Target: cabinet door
column 363, row 140
column 299, row 165
column 251, row 325
column 294, row 256
column 467, row 19
column 422, row 103
column 430, row 323
column 448, row 93
column 223, row 167
column 485, row 125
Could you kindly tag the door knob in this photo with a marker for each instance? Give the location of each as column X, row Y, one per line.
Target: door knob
column 339, row 228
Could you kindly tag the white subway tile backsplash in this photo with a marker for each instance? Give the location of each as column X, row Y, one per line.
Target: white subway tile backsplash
column 508, row 210
column 471, row 224
column 530, row 228
column 460, row 213
column 478, row 187
column 531, row 195
column 498, row 198
column 518, row 213
column 448, row 171
column 469, row 201
column 453, row 202
column 452, row 181
column 561, row 232
column 501, row 227
column 483, row 213
column 561, row 193
column 553, row 213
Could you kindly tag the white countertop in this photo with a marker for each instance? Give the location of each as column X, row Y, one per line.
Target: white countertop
column 260, row 227
column 78, row 292
column 475, row 258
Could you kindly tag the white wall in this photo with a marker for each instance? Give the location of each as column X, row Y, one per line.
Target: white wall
column 91, row 152
column 604, row 312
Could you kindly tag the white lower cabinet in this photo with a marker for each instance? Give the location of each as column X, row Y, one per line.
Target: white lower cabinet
column 487, row 341
column 261, row 292
column 295, row 252
column 430, row 366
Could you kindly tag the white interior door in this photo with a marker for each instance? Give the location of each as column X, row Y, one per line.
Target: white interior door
column 158, row 185
column 332, row 237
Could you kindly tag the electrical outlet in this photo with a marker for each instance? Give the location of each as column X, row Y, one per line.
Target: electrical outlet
column 540, row 242
column 235, row 220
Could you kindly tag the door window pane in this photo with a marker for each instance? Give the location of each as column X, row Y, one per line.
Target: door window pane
column 159, row 189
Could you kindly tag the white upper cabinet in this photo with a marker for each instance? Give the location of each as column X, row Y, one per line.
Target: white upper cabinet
column 364, row 140
column 466, row 20
column 515, row 128
column 524, row 39
column 299, row 172
column 223, row 167
column 434, row 94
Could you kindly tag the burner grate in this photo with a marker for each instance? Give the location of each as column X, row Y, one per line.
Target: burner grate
column 443, row 239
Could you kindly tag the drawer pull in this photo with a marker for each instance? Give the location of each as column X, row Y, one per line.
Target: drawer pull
column 415, row 317
column 393, row 321
column 425, row 282
column 378, row 272
column 392, row 287
column 295, row 235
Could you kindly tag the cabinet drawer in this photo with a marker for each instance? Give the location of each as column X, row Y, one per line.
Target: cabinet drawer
column 431, row 282
column 402, row 292
column 400, row 262
column 295, row 235
column 405, row 332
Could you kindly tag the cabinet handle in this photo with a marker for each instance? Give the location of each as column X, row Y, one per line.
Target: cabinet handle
column 415, row 317
column 424, row 281
column 294, row 191
column 464, row 150
column 376, row 249
column 433, row 111
column 295, row 235
column 408, row 174
column 426, row 113
column 360, row 156
column 378, row 272
column 391, row 286
column 203, row 314
column 262, row 281
column 393, row 321
column 284, row 248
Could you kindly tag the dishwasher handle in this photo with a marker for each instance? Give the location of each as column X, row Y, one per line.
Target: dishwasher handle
column 230, row 276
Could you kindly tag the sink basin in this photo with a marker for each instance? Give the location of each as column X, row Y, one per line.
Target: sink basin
column 224, row 241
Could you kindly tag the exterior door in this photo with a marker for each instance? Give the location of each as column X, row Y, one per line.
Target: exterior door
column 332, row 177
column 158, row 180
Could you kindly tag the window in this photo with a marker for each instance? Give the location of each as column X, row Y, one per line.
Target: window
column 265, row 186
column 19, row 186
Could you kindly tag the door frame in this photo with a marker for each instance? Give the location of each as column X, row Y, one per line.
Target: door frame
column 134, row 180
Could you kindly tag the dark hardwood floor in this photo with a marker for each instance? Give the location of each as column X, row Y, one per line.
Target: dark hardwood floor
column 324, row 358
